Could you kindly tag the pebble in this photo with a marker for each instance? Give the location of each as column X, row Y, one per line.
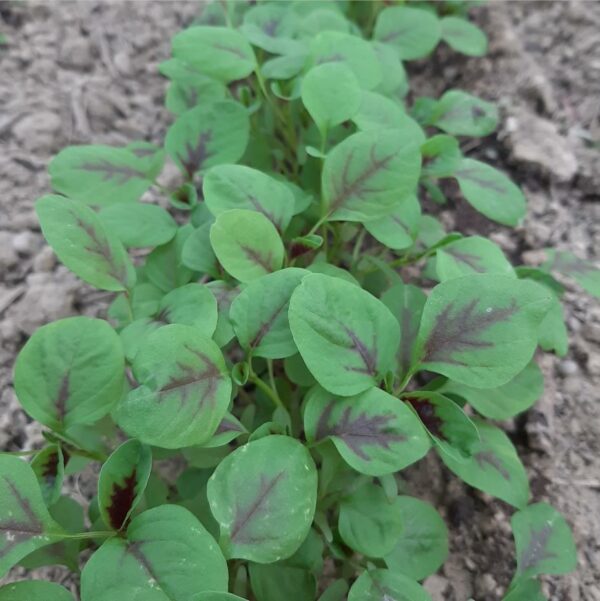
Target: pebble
column 76, row 54
column 567, row 367
column 436, row 586
column 45, row 260
column 38, row 131
column 25, row 243
column 8, row 256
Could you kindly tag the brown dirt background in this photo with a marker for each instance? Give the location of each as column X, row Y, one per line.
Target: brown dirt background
column 85, row 72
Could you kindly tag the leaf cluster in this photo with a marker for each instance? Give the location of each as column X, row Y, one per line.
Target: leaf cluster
column 289, row 329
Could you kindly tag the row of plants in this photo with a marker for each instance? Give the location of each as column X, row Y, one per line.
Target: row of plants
column 295, row 332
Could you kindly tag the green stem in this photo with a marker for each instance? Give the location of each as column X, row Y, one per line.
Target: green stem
column 270, row 392
column 88, row 535
column 357, row 247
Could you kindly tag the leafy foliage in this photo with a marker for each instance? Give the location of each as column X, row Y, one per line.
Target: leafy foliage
column 294, row 333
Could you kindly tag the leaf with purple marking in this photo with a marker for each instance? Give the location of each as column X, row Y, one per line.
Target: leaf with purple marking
column 81, row 241
column 225, row 294
column 506, row 401
column 263, row 495
column 208, row 135
column 406, row 303
column 481, row 330
column 544, row 542
column 491, row 192
column 259, row 314
column 386, row 585
column 347, row 338
column 228, row 187
column 70, row 372
column 585, row 273
column 399, row 229
column 229, row 429
column 413, row 32
column 186, row 93
column 34, row 590
column 25, row 524
column 462, row 114
column 166, row 555
column 469, row 256
column 374, row 432
column 122, row 482
column 365, row 175
column 493, row 467
column 441, row 157
column 49, row 468
column 102, row 175
column 183, row 393
column 451, row 429
column 218, row 52
column 197, row 252
column 246, row 244
column 272, row 28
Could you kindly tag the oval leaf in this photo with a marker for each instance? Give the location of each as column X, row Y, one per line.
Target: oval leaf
column 422, row 546
column 366, row 174
column 122, row 482
column 463, row 36
column 259, row 314
column 544, row 542
column 229, row 187
column 399, row 229
column 481, row 330
column 184, row 389
column 167, row 556
column 462, row 114
column 70, row 372
column 490, row 192
column 347, row 338
column 494, row 466
column 25, row 524
column 374, row 432
column 49, row 467
column 78, row 237
column 34, row 590
column 385, row 585
column 263, row 495
column 247, row 244
column 208, row 135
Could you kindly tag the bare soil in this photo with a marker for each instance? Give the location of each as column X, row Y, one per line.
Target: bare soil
column 85, row 72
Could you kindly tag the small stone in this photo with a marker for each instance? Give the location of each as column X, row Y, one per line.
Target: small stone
column 567, row 367
column 592, row 333
column 25, row 243
column 38, row 131
column 486, row 584
column 436, row 586
column 122, row 63
column 8, row 256
column 593, row 364
column 8, row 330
column 45, row 260
column 76, row 54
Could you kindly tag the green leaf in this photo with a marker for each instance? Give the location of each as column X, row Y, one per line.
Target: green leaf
column 225, row 294
column 297, row 372
column 229, row 429
column 271, row 27
column 184, row 389
column 70, row 372
column 356, row 53
column 385, row 585
column 78, row 237
column 544, row 542
column 395, row 83
column 247, row 244
column 490, row 192
column 197, row 252
column 412, row 31
column 263, row 495
column 216, row 596
column 398, row 230
column 229, row 187
column 585, row 273
column 138, row 225
column 49, row 468
column 259, row 314
column 337, row 591
column 406, row 302
column 365, row 175
column 494, row 466
column 218, row 52
column 331, row 94
column 164, row 265
column 208, row 135
column 34, row 590
column 377, row 111
column 422, row 546
column 368, row 522
column 374, row 432
column 167, row 555
column 461, row 114
column 347, row 338
column 481, row 330
column 190, row 305
column 276, row 582
column 469, row 256
column 553, row 334
column 185, row 94
column 25, row 524
column 103, row 175
column 463, row 36
column 122, row 482
column 441, row 156
column 452, row 431
column 527, row 590
column 506, row 401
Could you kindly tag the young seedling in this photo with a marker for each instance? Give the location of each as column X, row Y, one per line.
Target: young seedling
column 271, row 343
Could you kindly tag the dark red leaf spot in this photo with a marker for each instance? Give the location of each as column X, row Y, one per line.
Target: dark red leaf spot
column 484, row 458
column 121, row 500
column 536, row 550
column 426, row 411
